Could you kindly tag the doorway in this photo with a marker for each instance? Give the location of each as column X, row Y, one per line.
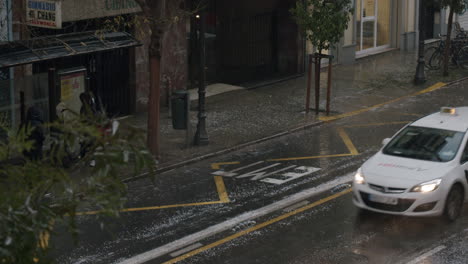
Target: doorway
column 373, row 25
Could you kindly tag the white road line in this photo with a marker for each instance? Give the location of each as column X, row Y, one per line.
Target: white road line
column 228, row 224
column 253, row 173
column 248, row 166
column 232, row 172
column 185, row 250
column 258, row 177
column 426, row 255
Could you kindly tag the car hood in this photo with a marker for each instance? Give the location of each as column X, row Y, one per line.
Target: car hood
column 392, row 171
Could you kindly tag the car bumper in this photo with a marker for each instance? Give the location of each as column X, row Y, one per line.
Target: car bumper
column 409, row 204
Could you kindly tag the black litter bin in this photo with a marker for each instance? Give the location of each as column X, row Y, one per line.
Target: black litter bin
column 180, row 109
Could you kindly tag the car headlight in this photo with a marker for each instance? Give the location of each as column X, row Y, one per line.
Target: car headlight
column 426, row 186
column 359, row 177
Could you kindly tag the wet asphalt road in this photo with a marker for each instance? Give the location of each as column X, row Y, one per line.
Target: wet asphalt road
column 333, row 232
column 338, row 233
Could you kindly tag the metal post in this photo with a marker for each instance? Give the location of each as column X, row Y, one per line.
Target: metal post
column 420, row 78
column 307, row 106
column 201, row 136
column 53, row 98
column 188, row 131
column 330, row 59
column 193, row 58
column 22, row 108
column 9, row 13
column 317, row 82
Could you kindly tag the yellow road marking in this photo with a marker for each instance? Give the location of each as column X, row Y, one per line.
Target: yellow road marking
column 349, row 144
column 220, row 188
column 379, row 124
column 256, row 227
column 223, row 196
column 430, row 89
column 45, row 235
column 344, row 136
column 314, row 157
column 216, row 166
column 44, row 239
column 417, row 115
column 152, row 207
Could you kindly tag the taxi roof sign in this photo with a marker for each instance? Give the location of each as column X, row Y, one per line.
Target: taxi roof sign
column 448, row 110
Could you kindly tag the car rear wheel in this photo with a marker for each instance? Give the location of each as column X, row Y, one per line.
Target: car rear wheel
column 454, row 203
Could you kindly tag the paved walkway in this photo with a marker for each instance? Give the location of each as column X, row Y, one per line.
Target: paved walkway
column 244, row 116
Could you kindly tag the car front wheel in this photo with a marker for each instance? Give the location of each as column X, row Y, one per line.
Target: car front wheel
column 454, row 203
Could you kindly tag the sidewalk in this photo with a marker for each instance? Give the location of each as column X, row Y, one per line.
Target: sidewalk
column 241, row 117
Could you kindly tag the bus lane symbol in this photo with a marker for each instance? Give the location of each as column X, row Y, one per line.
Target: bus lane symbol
column 278, row 175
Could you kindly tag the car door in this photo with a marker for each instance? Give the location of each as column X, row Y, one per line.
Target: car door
column 464, row 166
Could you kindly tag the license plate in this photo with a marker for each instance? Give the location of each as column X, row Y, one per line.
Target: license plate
column 383, row 199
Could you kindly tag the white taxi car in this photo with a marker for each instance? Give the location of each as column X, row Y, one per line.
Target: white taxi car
column 421, row 171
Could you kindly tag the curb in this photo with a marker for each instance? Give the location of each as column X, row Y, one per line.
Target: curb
column 456, row 81
column 223, row 151
column 169, row 167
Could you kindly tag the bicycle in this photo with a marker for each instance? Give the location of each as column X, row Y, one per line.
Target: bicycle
column 458, row 54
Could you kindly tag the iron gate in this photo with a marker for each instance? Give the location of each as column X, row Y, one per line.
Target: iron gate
column 246, row 48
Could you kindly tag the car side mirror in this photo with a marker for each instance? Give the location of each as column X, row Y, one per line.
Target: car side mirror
column 385, row 141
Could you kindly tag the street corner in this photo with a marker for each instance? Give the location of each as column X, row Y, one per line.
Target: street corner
column 219, row 190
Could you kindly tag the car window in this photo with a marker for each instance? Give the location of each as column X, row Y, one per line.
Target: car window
column 425, row 143
column 464, row 157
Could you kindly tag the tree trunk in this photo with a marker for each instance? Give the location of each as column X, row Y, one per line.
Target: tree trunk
column 154, row 106
column 447, row 43
column 152, row 9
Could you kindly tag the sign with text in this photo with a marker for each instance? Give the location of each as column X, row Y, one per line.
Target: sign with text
column 72, row 84
column 44, row 13
column 275, row 173
column 89, row 9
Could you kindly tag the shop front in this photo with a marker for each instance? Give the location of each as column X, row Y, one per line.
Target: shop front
column 63, row 67
column 373, row 25
column 79, row 33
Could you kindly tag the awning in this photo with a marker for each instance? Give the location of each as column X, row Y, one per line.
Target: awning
column 21, row 52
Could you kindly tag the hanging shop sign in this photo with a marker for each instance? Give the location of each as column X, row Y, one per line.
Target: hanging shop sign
column 44, row 13
column 51, row 13
column 89, row 9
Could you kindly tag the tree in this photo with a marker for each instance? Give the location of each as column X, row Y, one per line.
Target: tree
column 323, row 23
column 159, row 15
column 37, row 194
column 456, row 6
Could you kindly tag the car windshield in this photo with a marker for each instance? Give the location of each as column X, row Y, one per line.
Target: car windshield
column 425, row 144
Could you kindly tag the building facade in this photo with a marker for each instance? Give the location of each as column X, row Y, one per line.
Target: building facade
column 380, row 25
column 247, row 42
column 67, row 35
column 250, row 41
column 6, row 74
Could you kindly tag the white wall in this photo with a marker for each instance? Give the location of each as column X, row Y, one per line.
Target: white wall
column 349, row 32
column 3, row 21
column 463, row 20
column 411, row 15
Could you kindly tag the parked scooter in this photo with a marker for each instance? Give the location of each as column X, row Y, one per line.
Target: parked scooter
column 108, row 127
column 74, row 150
